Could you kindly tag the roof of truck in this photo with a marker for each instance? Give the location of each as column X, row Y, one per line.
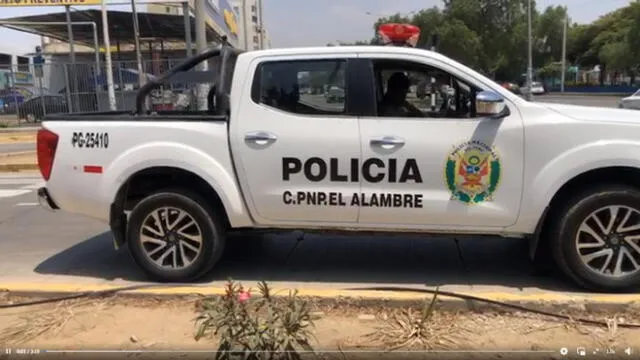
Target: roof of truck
column 347, row 49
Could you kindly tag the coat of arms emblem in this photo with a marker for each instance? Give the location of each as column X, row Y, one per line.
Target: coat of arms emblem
column 472, row 172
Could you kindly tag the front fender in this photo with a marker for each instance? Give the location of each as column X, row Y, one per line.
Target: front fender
column 169, row 154
column 539, row 191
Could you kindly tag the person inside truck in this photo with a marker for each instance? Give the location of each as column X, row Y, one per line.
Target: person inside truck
column 394, row 102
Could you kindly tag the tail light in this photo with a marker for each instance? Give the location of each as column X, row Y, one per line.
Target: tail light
column 47, row 143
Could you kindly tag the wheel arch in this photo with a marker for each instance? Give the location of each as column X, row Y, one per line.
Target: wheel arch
column 152, row 179
column 613, row 175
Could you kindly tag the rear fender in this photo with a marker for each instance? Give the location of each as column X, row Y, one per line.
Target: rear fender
column 168, row 154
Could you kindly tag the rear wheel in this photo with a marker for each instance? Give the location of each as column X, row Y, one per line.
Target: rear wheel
column 174, row 236
column 595, row 239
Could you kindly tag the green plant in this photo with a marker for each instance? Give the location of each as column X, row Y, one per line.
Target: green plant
column 256, row 327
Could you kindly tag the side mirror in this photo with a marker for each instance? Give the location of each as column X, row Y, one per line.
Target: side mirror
column 491, row 105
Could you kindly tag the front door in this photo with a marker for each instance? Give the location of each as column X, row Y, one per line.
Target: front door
column 294, row 141
column 443, row 167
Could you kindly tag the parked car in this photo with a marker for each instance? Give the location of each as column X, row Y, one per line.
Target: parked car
column 36, row 108
column 631, row 102
column 172, row 186
column 514, row 88
column 537, row 88
column 334, row 94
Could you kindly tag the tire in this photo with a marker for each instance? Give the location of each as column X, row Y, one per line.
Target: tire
column 580, row 210
column 208, row 224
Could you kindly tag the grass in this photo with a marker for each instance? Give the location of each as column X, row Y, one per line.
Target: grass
column 408, row 328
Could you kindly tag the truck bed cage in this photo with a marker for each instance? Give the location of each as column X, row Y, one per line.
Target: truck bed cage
column 224, row 50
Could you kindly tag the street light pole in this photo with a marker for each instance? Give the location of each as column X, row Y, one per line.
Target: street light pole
column 530, row 55
column 564, row 52
column 136, row 36
column 107, row 56
column 201, row 45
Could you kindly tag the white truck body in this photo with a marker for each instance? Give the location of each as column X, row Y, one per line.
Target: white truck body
column 532, row 153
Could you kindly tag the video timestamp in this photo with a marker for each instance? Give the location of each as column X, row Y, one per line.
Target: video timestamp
column 10, row 351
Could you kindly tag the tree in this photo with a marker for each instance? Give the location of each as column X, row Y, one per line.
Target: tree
column 492, row 37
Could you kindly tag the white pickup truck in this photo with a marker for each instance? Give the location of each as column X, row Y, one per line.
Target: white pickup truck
column 267, row 156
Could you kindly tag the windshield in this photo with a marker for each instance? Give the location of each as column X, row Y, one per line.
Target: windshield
column 637, row 93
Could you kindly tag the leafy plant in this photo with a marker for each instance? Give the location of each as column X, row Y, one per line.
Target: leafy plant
column 256, row 327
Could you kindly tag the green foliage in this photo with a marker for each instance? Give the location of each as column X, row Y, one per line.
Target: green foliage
column 492, row 36
column 256, row 327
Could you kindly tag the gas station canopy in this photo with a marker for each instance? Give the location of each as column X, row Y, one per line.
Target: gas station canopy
column 162, row 26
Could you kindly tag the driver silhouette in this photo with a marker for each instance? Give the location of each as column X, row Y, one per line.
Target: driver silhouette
column 394, row 102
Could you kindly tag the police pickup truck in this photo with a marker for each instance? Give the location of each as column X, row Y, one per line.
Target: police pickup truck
column 268, row 156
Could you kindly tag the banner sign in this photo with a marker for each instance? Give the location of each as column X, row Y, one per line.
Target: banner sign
column 19, row 3
column 224, row 16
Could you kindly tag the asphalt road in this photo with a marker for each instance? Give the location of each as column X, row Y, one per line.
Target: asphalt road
column 8, row 148
column 601, row 101
column 38, row 246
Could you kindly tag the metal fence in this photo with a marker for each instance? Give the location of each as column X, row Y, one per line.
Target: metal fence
column 27, row 96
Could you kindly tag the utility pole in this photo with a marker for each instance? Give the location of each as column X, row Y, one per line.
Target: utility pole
column 74, row 65
column 201, row 46
column 530, row 55
column 564, row 51
column 136, row 37
column 107, row 55
column 186, row 12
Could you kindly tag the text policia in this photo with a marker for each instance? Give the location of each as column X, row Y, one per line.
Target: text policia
column 372, row 170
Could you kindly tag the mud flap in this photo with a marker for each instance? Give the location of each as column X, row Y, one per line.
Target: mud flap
column 118, row 225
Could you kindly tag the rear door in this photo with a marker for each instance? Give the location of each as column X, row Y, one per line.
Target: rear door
column 295, row 152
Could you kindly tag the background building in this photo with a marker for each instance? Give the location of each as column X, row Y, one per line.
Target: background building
column 252, row 32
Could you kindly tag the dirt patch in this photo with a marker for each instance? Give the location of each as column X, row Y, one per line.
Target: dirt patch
column 138, row 324
column 15, row 137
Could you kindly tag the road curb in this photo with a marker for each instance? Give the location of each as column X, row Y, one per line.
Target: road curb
column 4, row 168
column 543, row 301
column 585, row 94
column 20, row 129
column 17, row 153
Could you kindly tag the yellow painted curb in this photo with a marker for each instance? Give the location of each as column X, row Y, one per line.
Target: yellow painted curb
column 17, row 167
column 42, row 288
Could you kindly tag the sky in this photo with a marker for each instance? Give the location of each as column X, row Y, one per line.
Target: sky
column 317, row 22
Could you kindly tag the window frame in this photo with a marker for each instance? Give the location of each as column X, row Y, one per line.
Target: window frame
column 256, row 83
column 426, row 61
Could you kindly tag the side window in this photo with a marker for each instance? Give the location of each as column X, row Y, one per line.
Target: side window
column 315, row 87
column 408, row 89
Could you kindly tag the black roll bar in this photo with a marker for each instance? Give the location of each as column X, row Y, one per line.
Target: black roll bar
column 224, row 49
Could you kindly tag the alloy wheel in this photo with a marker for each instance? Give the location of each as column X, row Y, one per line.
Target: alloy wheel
column 171, row 238
column 608, row 241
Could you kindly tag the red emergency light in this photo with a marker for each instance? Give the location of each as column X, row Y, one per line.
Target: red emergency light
column 399, row 34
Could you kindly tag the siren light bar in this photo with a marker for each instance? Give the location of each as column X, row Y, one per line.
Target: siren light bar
column 399, row 34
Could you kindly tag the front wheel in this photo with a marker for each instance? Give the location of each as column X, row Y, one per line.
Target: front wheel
column 174, row 236
column 595, row 238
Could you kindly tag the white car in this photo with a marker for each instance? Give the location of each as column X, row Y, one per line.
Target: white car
column 631, row 102
column 537, row 88
column 173, row 185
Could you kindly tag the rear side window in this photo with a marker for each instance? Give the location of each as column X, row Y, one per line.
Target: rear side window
column 315, row 87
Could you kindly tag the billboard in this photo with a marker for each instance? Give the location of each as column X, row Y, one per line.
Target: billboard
column 224, row 17
column 19, row 3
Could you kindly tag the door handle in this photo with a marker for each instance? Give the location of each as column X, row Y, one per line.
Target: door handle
column 387, row 141
column 260, row 136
